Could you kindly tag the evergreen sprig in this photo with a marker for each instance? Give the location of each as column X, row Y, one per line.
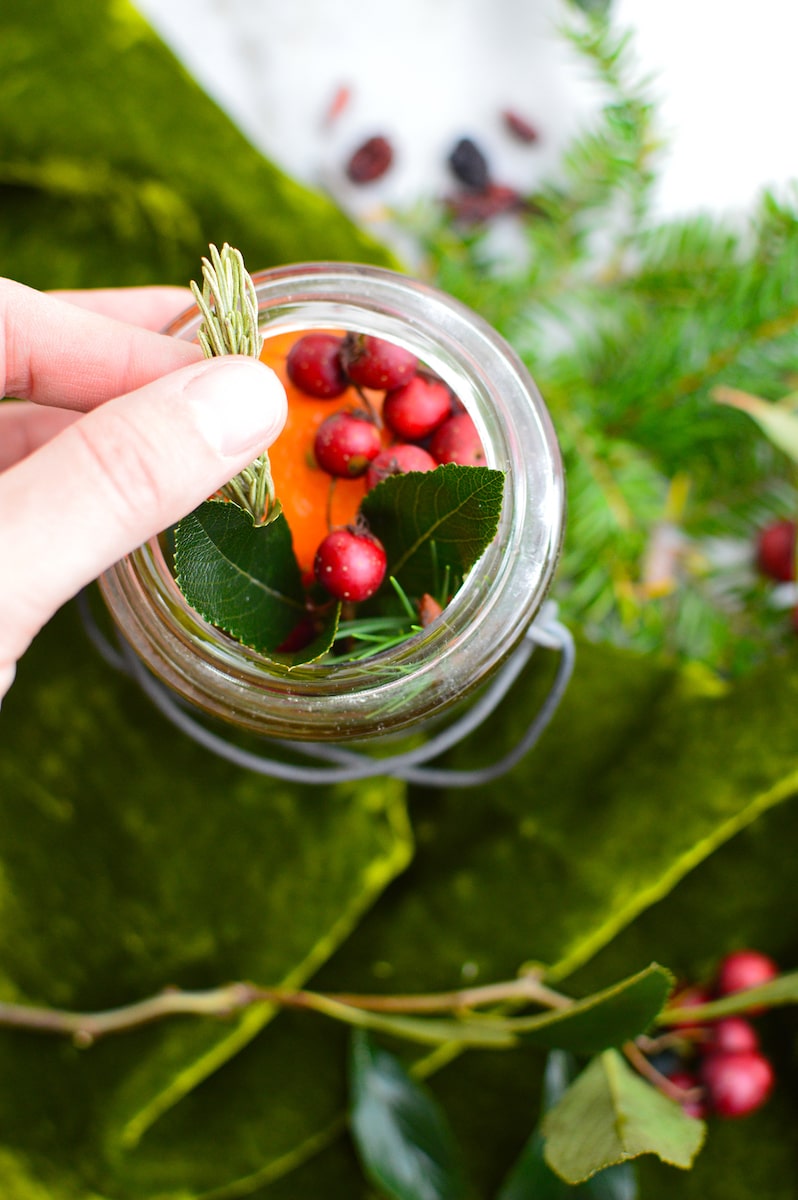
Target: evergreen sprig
column 629, row 324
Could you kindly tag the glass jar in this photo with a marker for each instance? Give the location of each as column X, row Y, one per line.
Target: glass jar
column 435, row 669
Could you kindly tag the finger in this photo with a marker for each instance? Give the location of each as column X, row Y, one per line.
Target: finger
column 24, row 427
column 149, row 307
column 58, row 353
column 118, row 476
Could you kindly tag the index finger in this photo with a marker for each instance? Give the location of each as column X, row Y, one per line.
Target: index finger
column 150, row 307
column 54, row 352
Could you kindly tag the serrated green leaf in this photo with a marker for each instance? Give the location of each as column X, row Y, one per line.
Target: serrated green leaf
column 608, row 1018
column 401, row 1134
column 610, row 1115
column 432, row 520
column 238, row 576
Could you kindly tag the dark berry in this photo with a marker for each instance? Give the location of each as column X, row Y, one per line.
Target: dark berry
column 743, row 969
column 732, row 1035
column 472, row 208
column 737, row 1084
column 414, row 411
column 398, row 460
column 313, row 366
column 370, row 161
column 519, row 127
column 775, row 550
column 457, row 441
column 345, row 444
column 469, row 165
column 371, row 362
column 350, row 564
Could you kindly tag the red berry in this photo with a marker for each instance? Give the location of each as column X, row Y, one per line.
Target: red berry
column 775, row 550
column 689, row 997
column 737, row 1084
column 457, row 441
column 345, row 444
column 744, row 969
column 398, row 460
column 371, row 362
column 313, row 366
column 732, row 1035
column 414, row 411
column 350, row 564
column 370, row 161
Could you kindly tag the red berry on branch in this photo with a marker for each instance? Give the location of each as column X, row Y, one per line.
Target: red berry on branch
column 370, row 161
column 737, row 1084
column 744, row 969
column 313, row 366
column 732, row 1035
column 696, row 1106
column 371, row 362
column 414, row 411
column 350, row 564
column 775, row 550
column 398, row 460
column 457, row 441
column 345, row 444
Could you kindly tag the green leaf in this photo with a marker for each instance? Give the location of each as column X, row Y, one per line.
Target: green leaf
column 607, row 1018
column 432, row 520
column 401, row 1134
column 778, row 420
column 240, row 577
column 609, row 1115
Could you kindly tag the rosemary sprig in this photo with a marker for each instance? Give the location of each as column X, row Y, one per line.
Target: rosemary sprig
column 229, row 307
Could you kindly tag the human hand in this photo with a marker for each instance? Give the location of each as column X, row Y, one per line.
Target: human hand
column 116, row 433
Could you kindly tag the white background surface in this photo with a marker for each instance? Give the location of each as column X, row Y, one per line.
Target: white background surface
column 427, row 72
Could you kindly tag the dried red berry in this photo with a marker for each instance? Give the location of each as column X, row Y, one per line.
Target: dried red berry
column 398, row 460
column 313, row 366
column 775, row 550
column 414, row 411
column 345, row 443
column 737, row 1084
column 519, row 127
column 350, row 564
column 469, row 165
column 457, row 441
column 370, row 161
column 372, row 362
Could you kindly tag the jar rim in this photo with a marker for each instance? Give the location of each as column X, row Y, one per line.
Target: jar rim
column 484, row 621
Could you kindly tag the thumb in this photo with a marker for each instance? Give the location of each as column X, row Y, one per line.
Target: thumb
column 118, row 476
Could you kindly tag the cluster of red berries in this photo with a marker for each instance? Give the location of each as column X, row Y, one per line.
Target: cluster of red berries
column 423, row 419
column 775, row 554
column 721, row 1066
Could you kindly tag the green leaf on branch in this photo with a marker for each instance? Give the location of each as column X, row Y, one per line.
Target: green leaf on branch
column 610, row 1115
column 607, row 1018
column 531, row 1178
column 433, row 520
column 404, row 1142
column 245, row 579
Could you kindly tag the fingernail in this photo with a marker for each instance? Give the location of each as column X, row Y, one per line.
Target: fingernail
column 239, row 404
